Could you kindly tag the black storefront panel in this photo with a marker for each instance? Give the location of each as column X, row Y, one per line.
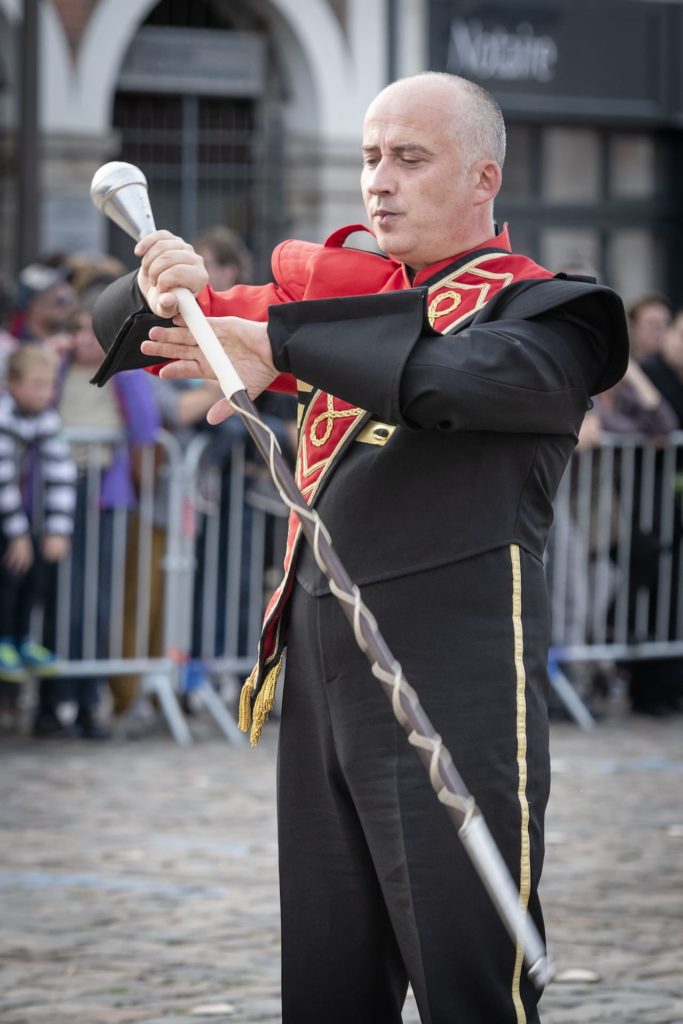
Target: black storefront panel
column 593, row 97
column 606, row 59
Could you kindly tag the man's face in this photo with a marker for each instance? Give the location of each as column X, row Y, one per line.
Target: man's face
column 417, row 193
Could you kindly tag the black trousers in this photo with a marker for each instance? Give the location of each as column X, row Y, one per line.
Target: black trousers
column 376, row 889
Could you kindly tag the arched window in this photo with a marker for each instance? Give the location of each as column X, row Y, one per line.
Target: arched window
column 196, row 109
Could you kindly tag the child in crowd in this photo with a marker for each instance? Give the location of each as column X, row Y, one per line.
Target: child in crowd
column 37, row 497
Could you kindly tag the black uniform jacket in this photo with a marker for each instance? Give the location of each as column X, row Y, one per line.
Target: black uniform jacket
column 465, row 435
column 486, row 417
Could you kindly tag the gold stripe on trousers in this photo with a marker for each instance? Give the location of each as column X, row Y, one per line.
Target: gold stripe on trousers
column 525, row 848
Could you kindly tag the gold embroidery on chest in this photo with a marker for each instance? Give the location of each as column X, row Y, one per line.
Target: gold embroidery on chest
column 317, row 468
column 328, row 417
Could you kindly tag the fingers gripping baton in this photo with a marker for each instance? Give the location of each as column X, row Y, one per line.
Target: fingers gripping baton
column 119, row 190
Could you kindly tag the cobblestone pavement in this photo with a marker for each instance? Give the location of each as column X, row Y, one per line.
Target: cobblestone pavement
column 138, row 881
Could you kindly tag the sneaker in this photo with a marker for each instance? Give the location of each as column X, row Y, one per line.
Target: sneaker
column 37, row 657
column 11, row 665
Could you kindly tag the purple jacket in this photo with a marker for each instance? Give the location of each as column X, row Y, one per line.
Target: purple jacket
column 142, row 422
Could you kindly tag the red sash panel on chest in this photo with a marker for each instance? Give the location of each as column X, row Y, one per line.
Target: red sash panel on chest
column 324, row 426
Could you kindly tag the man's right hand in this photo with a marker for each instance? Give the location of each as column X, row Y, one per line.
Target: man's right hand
column 168, row 262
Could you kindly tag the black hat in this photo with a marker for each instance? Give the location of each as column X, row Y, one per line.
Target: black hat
column 121, row 321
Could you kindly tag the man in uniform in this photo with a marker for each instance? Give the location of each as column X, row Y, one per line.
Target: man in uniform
column 441, row 389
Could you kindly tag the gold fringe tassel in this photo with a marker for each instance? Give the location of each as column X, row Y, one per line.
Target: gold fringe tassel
column 264, row 701
column 244, row 717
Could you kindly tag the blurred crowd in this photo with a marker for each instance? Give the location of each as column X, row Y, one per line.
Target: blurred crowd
column 643, row 512
column 48, row 354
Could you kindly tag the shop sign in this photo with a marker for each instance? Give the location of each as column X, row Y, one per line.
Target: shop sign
column 501, row 54
column 598, row 59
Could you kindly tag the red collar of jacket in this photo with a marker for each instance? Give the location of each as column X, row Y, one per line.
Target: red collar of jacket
column 411, row 279
column 499, row 241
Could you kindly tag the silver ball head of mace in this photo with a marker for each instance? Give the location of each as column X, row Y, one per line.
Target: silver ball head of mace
column 119, row 190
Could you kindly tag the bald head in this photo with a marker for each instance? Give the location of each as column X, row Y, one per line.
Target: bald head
column 432, row 149
column 467, row 112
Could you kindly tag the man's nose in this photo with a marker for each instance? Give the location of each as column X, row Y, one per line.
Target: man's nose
column 382, row 179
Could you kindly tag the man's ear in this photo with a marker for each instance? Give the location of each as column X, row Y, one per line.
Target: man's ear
column 487, row 181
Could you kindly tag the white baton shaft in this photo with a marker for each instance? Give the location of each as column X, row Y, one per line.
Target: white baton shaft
column 205, row 336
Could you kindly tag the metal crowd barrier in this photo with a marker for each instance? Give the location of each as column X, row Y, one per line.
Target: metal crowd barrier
column 173, row 583
column 182, row 578
column 613, row 558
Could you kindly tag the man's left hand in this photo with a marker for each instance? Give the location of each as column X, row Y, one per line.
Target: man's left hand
column 244, row 341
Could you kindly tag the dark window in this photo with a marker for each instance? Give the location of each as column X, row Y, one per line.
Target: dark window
column 587, row 198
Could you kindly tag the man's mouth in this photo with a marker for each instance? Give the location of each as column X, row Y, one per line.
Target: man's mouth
column 384, row 216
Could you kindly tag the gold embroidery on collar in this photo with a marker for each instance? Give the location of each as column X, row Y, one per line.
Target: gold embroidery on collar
column 474, row 268
column 435, row 312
